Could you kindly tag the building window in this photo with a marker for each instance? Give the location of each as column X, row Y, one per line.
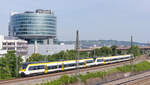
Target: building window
column 11, row 48
column 4, row 48
column 4, row 43
column 9, row 43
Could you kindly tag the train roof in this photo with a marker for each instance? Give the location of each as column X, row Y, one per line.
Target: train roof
column 118, row 56
column 35, row 62
column 62, row 60
column 47, row 62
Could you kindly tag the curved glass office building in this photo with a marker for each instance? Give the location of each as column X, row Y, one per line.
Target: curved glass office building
column 39, row 25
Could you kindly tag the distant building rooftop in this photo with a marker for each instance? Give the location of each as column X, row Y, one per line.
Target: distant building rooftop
column 10, row 38
column 119, row 48
column 39, row 11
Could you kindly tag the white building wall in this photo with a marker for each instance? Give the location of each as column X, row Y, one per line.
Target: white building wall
column 1, row 40
column 49, row 49
column 2, row 52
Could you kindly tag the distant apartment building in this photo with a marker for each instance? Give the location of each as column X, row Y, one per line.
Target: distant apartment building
column 8, row 43
column 49, row 49
column 33, row 26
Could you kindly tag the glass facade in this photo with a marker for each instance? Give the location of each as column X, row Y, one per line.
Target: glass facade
column 31, row 26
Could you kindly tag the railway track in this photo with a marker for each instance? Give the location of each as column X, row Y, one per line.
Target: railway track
column 58, row 74
column 144, row 80
column 139, row 79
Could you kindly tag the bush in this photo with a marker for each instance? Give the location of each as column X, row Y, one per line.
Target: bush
column 142, row 66
column 100, row 74
column 73, row 79
column 65, row 79
column 126, row 68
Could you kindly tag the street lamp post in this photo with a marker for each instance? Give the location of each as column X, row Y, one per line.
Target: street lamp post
column 77, row 50
column 16, row 65
column 131, row 60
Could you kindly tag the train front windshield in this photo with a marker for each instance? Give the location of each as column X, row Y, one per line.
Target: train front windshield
column 24, row 66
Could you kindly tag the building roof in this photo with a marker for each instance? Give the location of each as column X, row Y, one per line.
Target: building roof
column 10, row 38
column 39, row 11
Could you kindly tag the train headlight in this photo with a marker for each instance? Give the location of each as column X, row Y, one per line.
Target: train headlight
column 22, row 70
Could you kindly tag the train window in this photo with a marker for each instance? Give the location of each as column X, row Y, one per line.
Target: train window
column 32, row 68
column 114, row 59
column 124, row 58
column 60, row 66
column 36, row 67
column 66, row 65
column 48, row 67
column 40, row 67
column 89, row 61
column 107, row 60
column 52, row 67
column 72, row 64
column 24, row 66
column 81, row 63
column 99, row 60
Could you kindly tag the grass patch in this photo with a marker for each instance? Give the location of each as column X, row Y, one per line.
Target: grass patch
column 63, row 80
column 100, row 74
column 113, row 70
column 142, row 66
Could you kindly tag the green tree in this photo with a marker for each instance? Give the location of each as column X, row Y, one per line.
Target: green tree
column 9, row 65
column 4, row 69
column 103, row 51
column 114, row 50
column 97, row 52
column 84, row 54
column 106, row 51
column 36, row 57
column 65, row 55
column 134, row 50
column 72, row 54
column 13, row 61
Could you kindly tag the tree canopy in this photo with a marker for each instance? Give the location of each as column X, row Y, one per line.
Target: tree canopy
column 134, row 50
column 9, row 65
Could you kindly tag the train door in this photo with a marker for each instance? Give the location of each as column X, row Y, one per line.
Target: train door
column 85, row 63
column 111, row 60
column 104, row 61
column 46, row 69
column 62, row 66
column 119, row 60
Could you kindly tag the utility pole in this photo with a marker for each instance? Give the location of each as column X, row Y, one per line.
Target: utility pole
column 35, row 46
column 94, row 50
column 131, row 60
column 46, row 57
column 16, row 65
column 77, row 56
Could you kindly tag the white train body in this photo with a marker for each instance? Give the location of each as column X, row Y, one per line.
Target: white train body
column 41, row 68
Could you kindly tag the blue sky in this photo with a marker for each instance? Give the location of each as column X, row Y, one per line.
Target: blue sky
column 95, row 19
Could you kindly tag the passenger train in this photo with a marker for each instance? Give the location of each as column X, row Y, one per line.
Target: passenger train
column 33, row 68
